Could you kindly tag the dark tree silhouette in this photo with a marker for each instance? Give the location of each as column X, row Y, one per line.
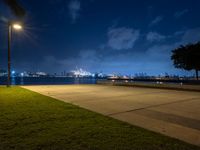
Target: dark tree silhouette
column 187, row 57
column 16, row 8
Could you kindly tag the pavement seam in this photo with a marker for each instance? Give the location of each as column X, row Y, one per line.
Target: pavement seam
column 171, row 118
column 152, row 106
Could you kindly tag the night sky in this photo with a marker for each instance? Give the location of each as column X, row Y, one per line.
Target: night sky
column 109, row 36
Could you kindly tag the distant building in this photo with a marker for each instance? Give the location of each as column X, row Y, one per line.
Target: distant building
column 3, row 73
column 81, row 73
column 32, row 74
column 40, row 74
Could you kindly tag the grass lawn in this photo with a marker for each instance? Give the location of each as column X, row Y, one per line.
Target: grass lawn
column 29, row 120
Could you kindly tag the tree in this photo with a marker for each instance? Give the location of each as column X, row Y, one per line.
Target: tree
column 187, row 57
column 16, row 8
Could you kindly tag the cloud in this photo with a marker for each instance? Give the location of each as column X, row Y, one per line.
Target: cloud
column 178, row 33
column 156, row 20
column 122, row 38
column 162, row 52
column 178, row 14
column 86, row 59
column 191, row 36
column 154, row 36
column 159, row 59
column 159, row 55
column 185, row 36
column 74, row 9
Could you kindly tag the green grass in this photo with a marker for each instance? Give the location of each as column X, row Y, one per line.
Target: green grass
column 32, row 121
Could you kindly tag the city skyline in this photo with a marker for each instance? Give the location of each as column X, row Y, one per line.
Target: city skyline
column 125, row 37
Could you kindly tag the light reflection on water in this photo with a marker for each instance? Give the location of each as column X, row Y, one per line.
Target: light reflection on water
column 46, row 80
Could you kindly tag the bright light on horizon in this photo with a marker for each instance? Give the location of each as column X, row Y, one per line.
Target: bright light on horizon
column 13, row 72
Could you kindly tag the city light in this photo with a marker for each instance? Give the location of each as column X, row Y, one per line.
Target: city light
column 81, row 73
column 13, row 72
column 22, row 74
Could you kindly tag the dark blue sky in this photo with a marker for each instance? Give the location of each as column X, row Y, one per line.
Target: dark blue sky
column 112, row 36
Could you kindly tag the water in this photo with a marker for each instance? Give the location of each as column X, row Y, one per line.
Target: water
column 72, row 80
column 47, row 80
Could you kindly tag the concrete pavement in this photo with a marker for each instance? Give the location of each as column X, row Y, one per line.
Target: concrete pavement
column 170, row 112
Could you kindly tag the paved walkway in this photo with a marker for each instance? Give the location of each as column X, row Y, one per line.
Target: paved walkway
column 170, row 112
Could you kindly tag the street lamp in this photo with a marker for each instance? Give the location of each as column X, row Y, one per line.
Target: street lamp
column 11, row 26
column 17, row 26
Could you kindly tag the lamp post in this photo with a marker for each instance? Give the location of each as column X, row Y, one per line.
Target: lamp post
column 11, row 26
